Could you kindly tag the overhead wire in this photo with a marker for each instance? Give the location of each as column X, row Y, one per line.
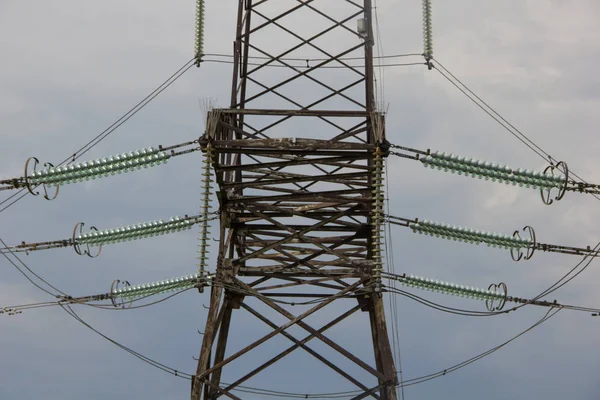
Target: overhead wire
column 409, row 382
column 558, row 284
column 69, row 310
column 184, row 375
column 380, row 55
column 425, row 378
column 20, row 194
column 89, row 302
column 113, row 308
column 414, row 381
column 474, row 313
column 496, row 116
column 31, row 272
column 524, row 302
column 134, row 110
column 566, row 278
column 440, row 307
column 110, row 129
column 80, row 152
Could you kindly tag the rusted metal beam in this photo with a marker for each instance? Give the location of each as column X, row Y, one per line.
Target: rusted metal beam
column 289, row 144
column 216, row 388
column 207, row 341
column 331, row 161
column 296, row 113
column 383, row 351
column 215, row 378
column 339, row 178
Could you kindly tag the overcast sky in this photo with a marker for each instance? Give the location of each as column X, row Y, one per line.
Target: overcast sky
column 70, row 68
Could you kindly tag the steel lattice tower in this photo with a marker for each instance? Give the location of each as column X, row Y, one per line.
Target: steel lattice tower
column 298, row 159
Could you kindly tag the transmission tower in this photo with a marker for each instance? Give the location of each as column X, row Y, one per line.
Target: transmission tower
column 298, row 159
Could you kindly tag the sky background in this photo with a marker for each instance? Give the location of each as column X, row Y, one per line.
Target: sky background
column 70, row 68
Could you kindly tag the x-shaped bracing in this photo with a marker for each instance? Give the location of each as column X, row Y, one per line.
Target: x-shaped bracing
column 298, row 320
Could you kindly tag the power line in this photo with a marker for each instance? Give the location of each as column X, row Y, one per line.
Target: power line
column 414, row 381
column 30, row 271
column 409, row 382
column 463, row 91
column 134, row 110
column 490, row 111
column 591, row 255
column 110, row 129
column 425, row 378
column 86, row 301
column 440, row 307
column 67, row 308
column 558, row 284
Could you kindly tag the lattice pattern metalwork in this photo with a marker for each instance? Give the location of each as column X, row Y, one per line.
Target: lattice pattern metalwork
column 297, row 160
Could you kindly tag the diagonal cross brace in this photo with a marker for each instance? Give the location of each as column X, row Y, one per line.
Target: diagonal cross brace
column 311, row 330
column 293, row 321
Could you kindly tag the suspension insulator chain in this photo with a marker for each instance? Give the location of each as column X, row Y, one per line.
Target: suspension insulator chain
column 199, row 43
column 205, row 210
column 427, row 33
column 377, row 217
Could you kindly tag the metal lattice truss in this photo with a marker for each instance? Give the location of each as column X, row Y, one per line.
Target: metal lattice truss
column 299, row 191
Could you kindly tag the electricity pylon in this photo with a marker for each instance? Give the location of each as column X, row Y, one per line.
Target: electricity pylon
column 298, row 159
